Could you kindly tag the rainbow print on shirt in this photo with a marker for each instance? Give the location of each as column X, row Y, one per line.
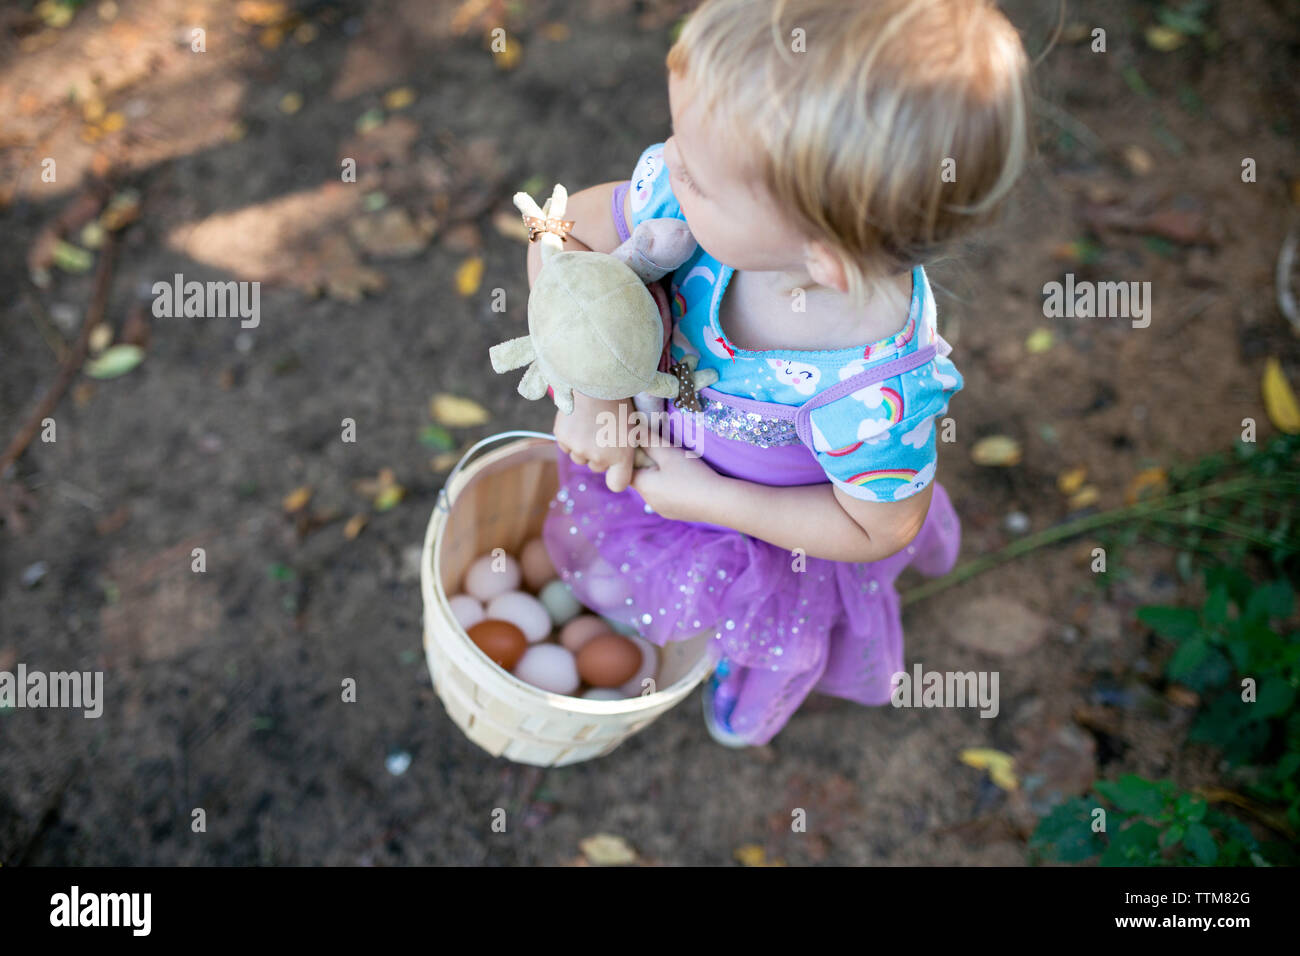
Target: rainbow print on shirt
column 883, row 474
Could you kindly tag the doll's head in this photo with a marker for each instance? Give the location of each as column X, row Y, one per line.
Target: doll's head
column 851, row 139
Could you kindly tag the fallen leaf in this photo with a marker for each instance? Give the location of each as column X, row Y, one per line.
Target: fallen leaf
column 369, row 120
column 1039, row 341
column 510, row 224
column 112, row 122
column 72, row 258
column 1071, row 480
column 556, row 32
column 444, row 462
column 1164, row 38
column 297, row 499
column 115, row 361
column 392, row 234
column 996, row 451
column 1083, row 251
column 92, row 235
column 1279, row 399
column 510, row 54
column 354, row 526
column 456, row 412
column 604, row 849
column 469, row 275
column 101, row 337
column 122, row 209
column 1138, row 160
column 389, row 498
column 437, row 438
column 261, row 14
column 1087, row 495
column 751, row 854
column 399, row 98
column 999, row 765
column 290, row 103
column 1143, row 480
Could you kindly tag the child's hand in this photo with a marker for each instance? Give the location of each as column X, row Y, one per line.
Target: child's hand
column 680, row 487
column 579, row 435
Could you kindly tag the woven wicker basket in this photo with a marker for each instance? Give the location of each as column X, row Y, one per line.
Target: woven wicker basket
column 500, row 501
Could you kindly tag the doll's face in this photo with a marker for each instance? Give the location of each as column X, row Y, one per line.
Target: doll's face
column 730, row 216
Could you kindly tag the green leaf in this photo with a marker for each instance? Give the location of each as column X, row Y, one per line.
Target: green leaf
column 1065, row 834
column 1216, row 606
column 72, row 258
column 1135, row 845
column 1275, row 698
column 1187, row 660
column 1132, row 794
column 1275, row 600
column 1175, row 623
column 1201, row 842
column 1172, row 836
column 114, row 361
column 435, row 436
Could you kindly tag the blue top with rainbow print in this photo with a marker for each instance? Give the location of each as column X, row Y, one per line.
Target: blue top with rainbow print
column 877, row 444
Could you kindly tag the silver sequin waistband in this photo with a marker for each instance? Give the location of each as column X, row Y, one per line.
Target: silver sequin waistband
column 727, row 421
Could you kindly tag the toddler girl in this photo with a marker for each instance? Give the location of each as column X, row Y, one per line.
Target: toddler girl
column 821, row 151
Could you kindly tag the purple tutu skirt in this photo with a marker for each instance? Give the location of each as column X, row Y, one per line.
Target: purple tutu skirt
column 783, row 624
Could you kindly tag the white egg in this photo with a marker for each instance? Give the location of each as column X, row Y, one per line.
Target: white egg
column 492, row 575
column 550, row 667
column 523, row 611
column 603, row 693
column 649, row 668
column 466, row 610
column 560, row 602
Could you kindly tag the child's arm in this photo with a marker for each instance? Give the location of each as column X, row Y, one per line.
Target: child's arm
column 593, row 230
column 820, row 519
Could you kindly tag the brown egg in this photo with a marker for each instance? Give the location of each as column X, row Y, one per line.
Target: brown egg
column 580, row 630
column 499, row 640
column 537, row 565
column 608, row 660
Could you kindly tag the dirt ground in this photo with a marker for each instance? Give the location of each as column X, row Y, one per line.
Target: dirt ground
column 222, row 688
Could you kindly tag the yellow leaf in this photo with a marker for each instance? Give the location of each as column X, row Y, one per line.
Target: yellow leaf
column 101, row 337
column 604, row 849
column 1279, row 400
column 1147, row 478
column 354, row 526
column 556, row 32
column 456, row 412
column 999, row 765
column 399, row 98
column 1040, row 340
column 508, row 58
column 751, row 854
column 389, row 497
column 112, row 122
column 297, row 499
column 469, row 275
column 1088, row 495
column 445, row 461
column 291, row 103
column 996, row 450
column 1071, row 480
column 1164, row 39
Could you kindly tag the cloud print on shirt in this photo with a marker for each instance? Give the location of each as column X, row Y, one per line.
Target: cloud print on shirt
column 919, row 435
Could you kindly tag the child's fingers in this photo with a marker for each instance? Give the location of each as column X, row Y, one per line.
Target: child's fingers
column 619, row 475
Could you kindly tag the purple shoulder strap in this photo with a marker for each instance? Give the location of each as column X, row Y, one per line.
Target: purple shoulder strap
column 616, row 209
column 801, row 415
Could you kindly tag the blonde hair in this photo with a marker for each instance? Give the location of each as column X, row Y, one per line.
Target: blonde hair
column 852, row 138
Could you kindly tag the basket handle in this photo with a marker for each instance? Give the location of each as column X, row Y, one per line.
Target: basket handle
column 443, row 504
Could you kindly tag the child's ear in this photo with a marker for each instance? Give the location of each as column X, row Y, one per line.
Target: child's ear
column 824, row 267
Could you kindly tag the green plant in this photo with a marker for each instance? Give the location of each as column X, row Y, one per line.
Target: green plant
column 1148, row 823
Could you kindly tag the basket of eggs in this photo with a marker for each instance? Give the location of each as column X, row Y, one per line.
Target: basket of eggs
column 522, row 669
